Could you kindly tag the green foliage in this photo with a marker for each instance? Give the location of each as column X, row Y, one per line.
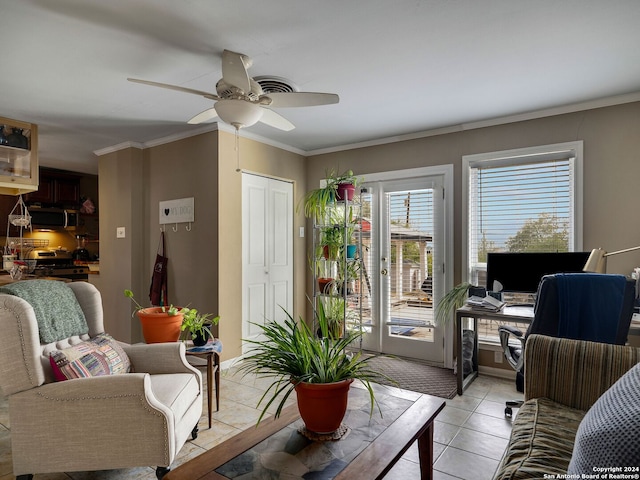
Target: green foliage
column 547, row 233
column 453, row 300
column 317, row 201
column 333, row 238
column 170, row 310
column 196, row 323
column 292, row 354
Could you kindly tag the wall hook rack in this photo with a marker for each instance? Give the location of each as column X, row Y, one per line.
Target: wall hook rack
column 173, row 212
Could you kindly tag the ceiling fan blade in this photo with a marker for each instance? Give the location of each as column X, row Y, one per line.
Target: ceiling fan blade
column 276, row 120
column 203, row 116
column 208, row 95
column 302, row 99
column 234, row 70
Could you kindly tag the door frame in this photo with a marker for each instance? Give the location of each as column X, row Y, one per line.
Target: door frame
column 446, row 171
column 267, row 230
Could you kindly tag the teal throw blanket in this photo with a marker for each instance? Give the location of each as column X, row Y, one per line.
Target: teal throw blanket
column 57, row 310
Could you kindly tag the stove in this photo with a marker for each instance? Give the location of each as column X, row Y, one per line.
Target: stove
column 57, row 263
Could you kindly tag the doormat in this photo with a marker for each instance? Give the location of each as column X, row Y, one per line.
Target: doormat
column 415, row 375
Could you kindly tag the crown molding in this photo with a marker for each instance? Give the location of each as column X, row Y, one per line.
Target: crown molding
column 210, row 127
column 521, row 117
column 118, row 147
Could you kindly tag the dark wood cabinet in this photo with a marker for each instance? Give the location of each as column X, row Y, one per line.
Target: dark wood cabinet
column 56, row 188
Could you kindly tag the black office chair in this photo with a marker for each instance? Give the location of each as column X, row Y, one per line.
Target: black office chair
column 582, row 306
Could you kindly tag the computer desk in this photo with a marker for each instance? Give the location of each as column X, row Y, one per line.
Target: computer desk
column 520, row 314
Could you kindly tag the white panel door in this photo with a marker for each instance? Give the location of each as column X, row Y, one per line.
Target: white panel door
column 267, row 251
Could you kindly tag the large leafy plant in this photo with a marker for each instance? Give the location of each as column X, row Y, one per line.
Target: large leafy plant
column 291, row 354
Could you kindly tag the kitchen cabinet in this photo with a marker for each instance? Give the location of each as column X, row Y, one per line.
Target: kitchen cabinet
column 18, row 157
column 56, row 188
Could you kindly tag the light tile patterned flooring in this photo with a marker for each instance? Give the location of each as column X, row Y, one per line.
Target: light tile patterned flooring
column 471, row 433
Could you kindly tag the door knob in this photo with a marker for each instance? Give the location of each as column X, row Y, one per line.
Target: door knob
column 384, row 271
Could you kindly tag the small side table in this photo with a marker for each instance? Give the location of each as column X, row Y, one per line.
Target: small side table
column 211, row 352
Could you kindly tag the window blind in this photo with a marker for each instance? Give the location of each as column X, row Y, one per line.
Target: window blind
column 523, row 204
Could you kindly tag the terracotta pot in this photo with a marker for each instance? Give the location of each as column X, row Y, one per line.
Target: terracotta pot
column 322, row 405
column 345, row 191
column 158, row 326
column 325, row 284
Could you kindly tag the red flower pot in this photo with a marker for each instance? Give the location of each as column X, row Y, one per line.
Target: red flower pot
column 345, row 191
column 322, row 406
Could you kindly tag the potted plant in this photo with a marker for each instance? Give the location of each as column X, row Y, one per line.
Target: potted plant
column 331, row 241
column 344, row 185
column 198, row 325
column 325, row 274
column 320, row 369
column 337, row 187
column 338, row 314
column 348, row 270
column 159, row 324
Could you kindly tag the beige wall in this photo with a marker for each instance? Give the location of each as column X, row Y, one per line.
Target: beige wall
column 611, row 168
column 205, row 264
column 121, row 194
column 183, row 169
column 269, row 161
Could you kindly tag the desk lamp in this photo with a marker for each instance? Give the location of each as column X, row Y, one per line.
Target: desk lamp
column 597, row 261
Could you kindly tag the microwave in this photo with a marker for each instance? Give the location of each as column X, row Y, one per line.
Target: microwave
column 54, row 218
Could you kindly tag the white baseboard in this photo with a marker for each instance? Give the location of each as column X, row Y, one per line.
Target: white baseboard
column 497, row 372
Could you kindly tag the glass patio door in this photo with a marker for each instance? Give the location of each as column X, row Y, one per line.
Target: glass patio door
column 406, row 265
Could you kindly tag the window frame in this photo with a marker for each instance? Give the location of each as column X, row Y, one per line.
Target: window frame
column 522, row 156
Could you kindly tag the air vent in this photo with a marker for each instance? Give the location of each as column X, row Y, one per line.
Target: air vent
column 271, row 84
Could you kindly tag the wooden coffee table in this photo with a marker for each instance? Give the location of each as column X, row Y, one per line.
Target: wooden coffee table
column 368, row 451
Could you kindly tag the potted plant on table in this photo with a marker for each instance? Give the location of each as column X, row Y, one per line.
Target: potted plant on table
column 320, row 369
column 165, row 324
column 159, row 324
column 198, row 325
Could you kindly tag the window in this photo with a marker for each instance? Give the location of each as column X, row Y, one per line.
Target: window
column 525, row 200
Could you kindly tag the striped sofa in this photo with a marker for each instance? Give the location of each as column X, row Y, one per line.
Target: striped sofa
column 564, row 378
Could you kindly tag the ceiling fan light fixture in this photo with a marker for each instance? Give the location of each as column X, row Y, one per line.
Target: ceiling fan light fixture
column 238, row 113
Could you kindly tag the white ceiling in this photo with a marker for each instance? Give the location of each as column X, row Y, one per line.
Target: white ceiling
column 399, row 66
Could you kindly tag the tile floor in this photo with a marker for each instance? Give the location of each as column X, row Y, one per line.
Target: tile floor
column 471, row 433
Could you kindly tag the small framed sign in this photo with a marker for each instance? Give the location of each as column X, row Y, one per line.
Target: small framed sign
column 176, row 211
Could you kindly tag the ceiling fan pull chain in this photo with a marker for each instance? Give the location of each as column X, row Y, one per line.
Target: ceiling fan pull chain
column 237, row 148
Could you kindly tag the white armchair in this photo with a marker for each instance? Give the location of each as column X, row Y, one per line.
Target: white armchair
column 98, row 423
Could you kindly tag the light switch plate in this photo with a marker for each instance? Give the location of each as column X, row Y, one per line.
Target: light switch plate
column 120, row 232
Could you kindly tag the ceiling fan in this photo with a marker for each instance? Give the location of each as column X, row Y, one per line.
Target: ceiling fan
column 240, row 100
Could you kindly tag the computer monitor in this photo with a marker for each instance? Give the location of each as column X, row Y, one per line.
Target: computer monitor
column 522, row 272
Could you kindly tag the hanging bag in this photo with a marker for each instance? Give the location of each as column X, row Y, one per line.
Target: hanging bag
column 158, row 291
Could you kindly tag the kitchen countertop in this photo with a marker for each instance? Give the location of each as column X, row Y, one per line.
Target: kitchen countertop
column 6, row 279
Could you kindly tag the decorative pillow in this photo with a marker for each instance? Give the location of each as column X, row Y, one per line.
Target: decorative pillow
column 56, row 307
column 96, row 357
column 608, row 433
